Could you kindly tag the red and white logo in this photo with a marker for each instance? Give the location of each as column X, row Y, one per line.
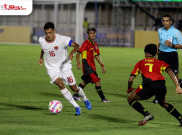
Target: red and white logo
column 56, row 47
column 70, row 79
column 15, row 7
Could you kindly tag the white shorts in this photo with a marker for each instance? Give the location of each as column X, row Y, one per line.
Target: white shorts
column 67, row 76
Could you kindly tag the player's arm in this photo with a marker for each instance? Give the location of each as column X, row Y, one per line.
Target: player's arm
column 78, row 60
column 97, row 57
column 134, row 73
column 76, row 48
column 179, row 41
column 41, row 57
column 130, row 83
column 173, row 77
column 176, row 46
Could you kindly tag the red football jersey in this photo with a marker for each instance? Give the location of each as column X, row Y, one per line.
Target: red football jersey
column 150, row 68
column 89, row 49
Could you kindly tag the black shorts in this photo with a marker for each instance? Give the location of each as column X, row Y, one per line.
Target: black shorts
column 157, row 88
column 92, row 77
column 170, row 58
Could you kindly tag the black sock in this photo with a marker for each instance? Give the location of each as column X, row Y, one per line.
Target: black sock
column 81, row 86
column 100, row 92
column 180, row 82
column 138, row 107
column 174, row 112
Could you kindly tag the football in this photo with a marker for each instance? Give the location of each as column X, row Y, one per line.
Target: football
column 55, row 106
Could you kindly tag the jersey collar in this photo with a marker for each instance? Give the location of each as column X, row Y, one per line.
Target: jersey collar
column 91, row 41
column 51, row 41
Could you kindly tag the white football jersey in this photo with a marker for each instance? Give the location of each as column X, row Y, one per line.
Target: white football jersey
column 56, row 53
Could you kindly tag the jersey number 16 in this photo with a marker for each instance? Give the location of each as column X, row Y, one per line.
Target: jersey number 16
column 52, row 54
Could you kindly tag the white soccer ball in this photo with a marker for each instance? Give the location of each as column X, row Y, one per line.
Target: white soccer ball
column 55, row 106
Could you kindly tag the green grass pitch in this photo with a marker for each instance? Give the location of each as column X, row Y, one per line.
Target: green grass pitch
column 25, row 92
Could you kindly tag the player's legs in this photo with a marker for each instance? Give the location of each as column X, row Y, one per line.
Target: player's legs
column 170, row 108
column 100, row 92
column 81, row 85
column 66, row 93
column 81, row 93
column 133, row 102
column 70, row 80
column 141, row 94
column 170, row 58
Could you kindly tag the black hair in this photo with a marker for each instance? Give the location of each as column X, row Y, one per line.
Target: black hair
column 49, row 25
column 168, row 16
column 90, row 28
column 151, row 49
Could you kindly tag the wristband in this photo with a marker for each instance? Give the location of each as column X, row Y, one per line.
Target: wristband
column 102, row 65
column 130, row 90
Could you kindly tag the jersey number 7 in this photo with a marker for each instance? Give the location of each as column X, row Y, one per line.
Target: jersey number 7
column 150, row 66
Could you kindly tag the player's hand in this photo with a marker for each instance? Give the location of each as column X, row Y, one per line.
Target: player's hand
column 40, row 62
column 103, row 69
column 79, row 66
column 130, row 90
column 168, row 43
column 178, row 90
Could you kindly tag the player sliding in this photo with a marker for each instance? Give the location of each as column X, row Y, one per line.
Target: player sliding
column 58, row 63
column 153, row 84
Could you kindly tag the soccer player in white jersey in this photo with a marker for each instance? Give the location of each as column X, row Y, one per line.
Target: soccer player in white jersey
column 58, row 63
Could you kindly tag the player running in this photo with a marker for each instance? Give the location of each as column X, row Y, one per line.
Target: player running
column 90, row 51
column 153, row 84
column 58, row 63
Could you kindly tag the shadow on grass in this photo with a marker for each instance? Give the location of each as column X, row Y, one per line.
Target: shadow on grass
column 24, row 107
column 118, row 95
column 111, row 119
column 47, row 94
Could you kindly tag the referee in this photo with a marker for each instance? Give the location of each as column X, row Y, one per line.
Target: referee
column 169, row 41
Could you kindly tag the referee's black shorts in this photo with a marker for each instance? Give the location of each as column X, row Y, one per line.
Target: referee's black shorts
column 154, row 88
column 170, row 58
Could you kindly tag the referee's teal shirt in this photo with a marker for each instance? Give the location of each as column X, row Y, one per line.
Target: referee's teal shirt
column 173, row 35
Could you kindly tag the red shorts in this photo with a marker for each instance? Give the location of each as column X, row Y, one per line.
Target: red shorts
column 92, row 77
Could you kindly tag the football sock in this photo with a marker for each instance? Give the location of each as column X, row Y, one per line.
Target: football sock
column 100, row 92
column 81, row 86
column 138, row 107
column 67, row 94
column 82, row 94
column 173, row 111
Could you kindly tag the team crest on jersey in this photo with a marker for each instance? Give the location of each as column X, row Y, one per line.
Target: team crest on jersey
column 56, row 47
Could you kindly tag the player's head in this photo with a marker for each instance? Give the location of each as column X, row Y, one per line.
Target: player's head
column 91, row 33
column 167, row 21
column 150, row 50
column 49, row 30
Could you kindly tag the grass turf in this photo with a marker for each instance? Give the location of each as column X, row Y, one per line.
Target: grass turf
column 25, row 92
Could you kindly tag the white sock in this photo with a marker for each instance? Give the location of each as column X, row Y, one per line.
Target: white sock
column 66, row 93
column 82, row 94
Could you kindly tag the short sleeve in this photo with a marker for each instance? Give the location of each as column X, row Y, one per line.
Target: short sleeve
column 178, row 37
column 83, row 47
column 164, row 66
column 41, row 40
column 136, row 69
column 67, row 40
